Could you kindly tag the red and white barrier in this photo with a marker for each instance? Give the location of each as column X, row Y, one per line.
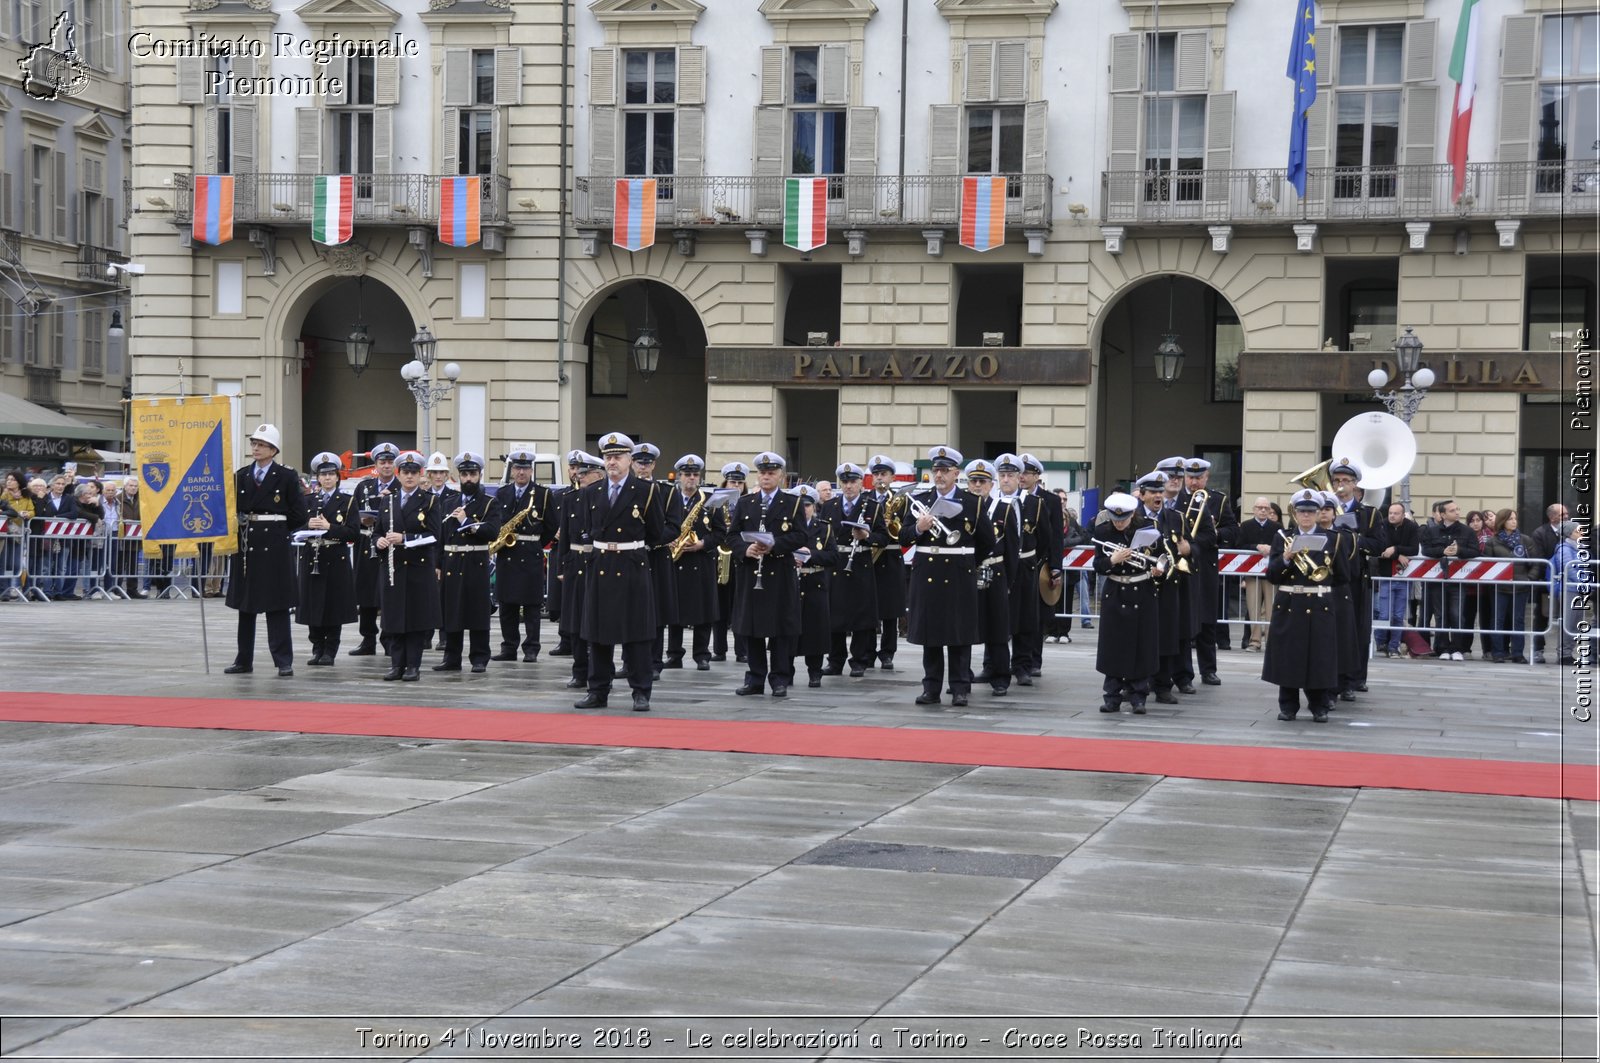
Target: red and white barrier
column 1078, row 557
column 1242, row 563
column 78, row 528
column 1435, row 568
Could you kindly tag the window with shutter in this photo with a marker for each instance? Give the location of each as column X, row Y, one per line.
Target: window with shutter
column 861, row 188
column 1370, row 73
column 475, row 81
column 1174, row 117
column 61, row 203
column 649, row 115
column 58, row 336
column 818, row 130
column 353, row 126
column 944, row 160
column 1568, row 147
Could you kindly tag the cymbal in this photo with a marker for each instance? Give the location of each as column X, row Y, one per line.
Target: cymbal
column 1049, row 590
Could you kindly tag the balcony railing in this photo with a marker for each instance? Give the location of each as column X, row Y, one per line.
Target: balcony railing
column 1350, row 193
column 854, row 202
column 380, row 199
column 44, row 385
column 92, row 261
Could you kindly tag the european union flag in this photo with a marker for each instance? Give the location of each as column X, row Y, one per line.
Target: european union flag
column 1303, row 72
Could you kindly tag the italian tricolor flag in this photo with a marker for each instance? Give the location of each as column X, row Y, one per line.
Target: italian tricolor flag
column 1464, row 72
column 332, row 204
column 805, row 212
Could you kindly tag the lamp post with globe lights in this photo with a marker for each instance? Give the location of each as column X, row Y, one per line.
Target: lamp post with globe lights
column 426, row 392
column 1403, row 401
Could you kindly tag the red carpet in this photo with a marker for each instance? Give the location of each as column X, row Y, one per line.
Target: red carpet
column 660, row 731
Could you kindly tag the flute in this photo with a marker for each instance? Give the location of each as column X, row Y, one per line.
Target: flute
column 393, row 521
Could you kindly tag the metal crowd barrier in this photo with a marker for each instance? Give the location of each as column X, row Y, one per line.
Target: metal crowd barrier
column 1078, row 578
column 66, row 558
column 13, row 555
column 1443, row 590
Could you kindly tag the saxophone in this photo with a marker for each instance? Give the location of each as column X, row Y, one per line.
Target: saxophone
column 893, row 509
column 508, row 531
column 686, row 534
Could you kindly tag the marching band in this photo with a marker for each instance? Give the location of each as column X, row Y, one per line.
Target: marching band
column 668, row 568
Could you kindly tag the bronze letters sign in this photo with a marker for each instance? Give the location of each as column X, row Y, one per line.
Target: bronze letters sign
column 1519, row 371
column 952, row 366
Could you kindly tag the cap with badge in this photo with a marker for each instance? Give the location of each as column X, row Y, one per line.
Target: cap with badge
column 1306, row 499
column 979, row 467
column 767, row 461
column 467, row 461
column 574, row 457
column 587, row 460
column 1121, row 505
column 848, row 471
column 1344, row 467
column 1170, row 466
column 437, row 462
column 520, row 459
column 1008, row 462
column 268, row 434
column 1195, row 466
column 1152, row 481
column 945, row 457
column 327, row 461
column 735, row 470
column 384, row 452
column 881, row 463
column 690, row 463
column 808, row 494
column 409, row 459
column 1329, row 500
column 646, row 452
column 615, row 443
column 1032, row 464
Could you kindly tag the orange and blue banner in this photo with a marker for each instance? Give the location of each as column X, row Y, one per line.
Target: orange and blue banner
column 633, row 225
column 983, row 212
column 460, row 211
column 213, row 208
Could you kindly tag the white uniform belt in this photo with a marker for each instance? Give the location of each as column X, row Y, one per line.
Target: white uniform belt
column 466, row 549
column 1026, row 554
column 259, row 517
column 810, row 570
column 944, row 550
column 582, row 549
column 1306, row 590
column 367, row 531
column 1131, row 579
column 990, row 562
column 612, row 548
column 852, row 548
column 527, row 538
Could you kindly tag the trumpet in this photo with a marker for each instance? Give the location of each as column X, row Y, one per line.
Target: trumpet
column 1316, row 573
column 1138, row 560
column 918, row 510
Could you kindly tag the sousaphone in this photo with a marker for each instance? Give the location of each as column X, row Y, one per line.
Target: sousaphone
column 1381, row 445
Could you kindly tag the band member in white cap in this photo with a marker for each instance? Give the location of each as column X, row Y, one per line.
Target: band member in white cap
column 468, row 529
column 519, row 568
column 662, row 577
column 570, row 558
column 996, row 574
column 814, row 563
column 853, row 584
column 1130, row 636
column 695, row 570
column 728, row 572
column 1151, row 489
column 1372, row 539
column 1030, row 534
column 372, row 497
column 943, row 596
column 622, row 522
column 271, row 506
column 1302, row 647
column 767, row 609
column 559, row 498
column 1051, row 532
column 1209, row 522
column 327, row 582
column 890, row 565
column 408, row 535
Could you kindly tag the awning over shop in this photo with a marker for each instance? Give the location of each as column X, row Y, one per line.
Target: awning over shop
column 28, row 430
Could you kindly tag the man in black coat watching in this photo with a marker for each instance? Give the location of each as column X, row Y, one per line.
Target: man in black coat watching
column 1447, row 538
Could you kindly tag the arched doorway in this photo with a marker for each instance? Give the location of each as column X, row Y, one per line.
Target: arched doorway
column 341, row 410
column 1201, row 414
column 667, row 408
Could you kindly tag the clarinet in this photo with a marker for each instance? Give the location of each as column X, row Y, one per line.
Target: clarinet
column 316, row 544
column 761, row 526
column 393, row 523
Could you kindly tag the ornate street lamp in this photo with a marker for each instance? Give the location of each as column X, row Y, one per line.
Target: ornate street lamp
column 646, row 352
column 1403, row 401
column 427, row 393
column 358, row 348
column 1169, row 360
column 424, row 346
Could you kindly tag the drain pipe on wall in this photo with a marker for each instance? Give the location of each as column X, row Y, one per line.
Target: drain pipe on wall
column 561, row 222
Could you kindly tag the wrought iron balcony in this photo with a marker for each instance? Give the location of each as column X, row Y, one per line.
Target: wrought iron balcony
column 44, row 385
column 854, row 202
column 1350, row 193
column 380, row 199
column 92, row 262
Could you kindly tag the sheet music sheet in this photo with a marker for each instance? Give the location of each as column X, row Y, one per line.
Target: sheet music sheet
column 1310, row 542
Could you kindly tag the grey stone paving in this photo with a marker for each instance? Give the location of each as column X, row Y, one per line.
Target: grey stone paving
column 173, row 892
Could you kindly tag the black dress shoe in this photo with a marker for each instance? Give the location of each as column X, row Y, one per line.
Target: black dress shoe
column 719, row 656
column 592, row 701
column 314, row 661
column 447, row 668
column 748, row 689
column 886, row 663
column 673, row 663
column 958, row 700
column 1284, row 714
column 236, row 669
column 410, row 675
column 480, row 668
column 1347, row 695
column 702, row 666
column 1319, row 715
column 780, row 691
column 575, row 683
column 391, row 675
column 1211, row 679
column 286, row 671
column 1186, row 688
column 1034, row 673
column 508, row 656
column 530, row 658
column 831, row 670
column 1110, row 706
column 857, row 673
column 559, row 652
column 927, row 699
column 998, row 692
column 741, row 659
column 1024, row 680
column 1359, row 688
column 814, row 682
column 1138, row 708
column 1166, row 697
column 641, row 703
column 366, row 649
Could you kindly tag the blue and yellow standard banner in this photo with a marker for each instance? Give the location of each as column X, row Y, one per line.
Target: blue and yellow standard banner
column 181, row 451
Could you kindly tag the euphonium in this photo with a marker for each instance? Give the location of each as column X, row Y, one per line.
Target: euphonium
column 686, row 534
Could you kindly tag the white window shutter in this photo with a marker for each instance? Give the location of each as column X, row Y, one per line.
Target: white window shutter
column 1122, row 140
column 603, row 79
column 944, row 159
column 772, row 67
column 8, row 205
column 1326, row 46
column 861, row 164
column 386, row 80
column 1035, row 159
column 1317, row 155
column 978, row 82
column 1127, row 72
column 382, row 158
column 692, row 76
column 450, row 142
column 191, row 79
column 1519, row 51
column 457, row 77
column 1420, row 49
column 1515, row 138
column 1194, row 61
column 1419, row 134
column 769, row 160
column 307, row 140
column 1220, row 108
column 1011, row 71
column 242, row 146
column 835, row 86
column 602, row 144
column 507, row 76
column 208, row 139
column 691, row 142
column 340, row 96
column 63, row 207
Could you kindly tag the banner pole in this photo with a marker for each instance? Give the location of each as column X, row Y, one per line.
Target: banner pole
column 205, row 641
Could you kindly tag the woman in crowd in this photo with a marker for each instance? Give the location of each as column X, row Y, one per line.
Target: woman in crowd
column 16, row 506
column 1511, row 600
column 1475, row 594
column 1570, row 586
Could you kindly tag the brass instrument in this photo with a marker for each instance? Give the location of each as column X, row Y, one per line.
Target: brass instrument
column 1316, row 478
column 894, row 508
column 918, row 510
column 686, row 534
column 1197, row 506
column 724, row 565
column 1316, row 573
column 1139, row 559
column 508, row 531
